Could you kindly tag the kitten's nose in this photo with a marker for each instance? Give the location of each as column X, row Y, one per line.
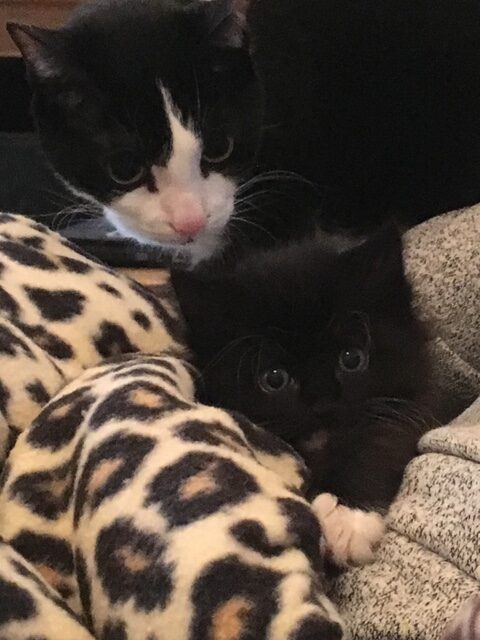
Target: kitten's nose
column 186, row 213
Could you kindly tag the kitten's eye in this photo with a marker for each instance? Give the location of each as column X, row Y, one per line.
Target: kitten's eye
column 274, row 380
column 220, row 151
column 125, row 168
column 353, row 359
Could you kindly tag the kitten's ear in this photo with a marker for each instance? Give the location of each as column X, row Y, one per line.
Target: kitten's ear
column 225, row 22
column 42, row 49
column 377, row 264
column 200, row 296
column 205, row 303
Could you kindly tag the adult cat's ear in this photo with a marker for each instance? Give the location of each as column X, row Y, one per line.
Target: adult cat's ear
column 42, row 49
column 225, row 22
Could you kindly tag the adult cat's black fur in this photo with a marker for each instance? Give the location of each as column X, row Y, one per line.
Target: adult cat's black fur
column 323, row 348
column 375, row 102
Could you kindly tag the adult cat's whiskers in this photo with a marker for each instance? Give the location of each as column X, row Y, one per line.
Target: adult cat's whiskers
column 65, row 216
column 60, row 198
column 237, row 230
column 238, row 218
column 197, row 89
column 244, row 204
column 277, row 176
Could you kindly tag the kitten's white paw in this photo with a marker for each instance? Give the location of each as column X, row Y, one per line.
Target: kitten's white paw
column 351, row 535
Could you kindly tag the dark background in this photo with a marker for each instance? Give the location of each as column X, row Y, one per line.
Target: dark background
column 27, row 185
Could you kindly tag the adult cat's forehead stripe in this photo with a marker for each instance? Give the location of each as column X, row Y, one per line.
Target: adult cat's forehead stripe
column 186, row 147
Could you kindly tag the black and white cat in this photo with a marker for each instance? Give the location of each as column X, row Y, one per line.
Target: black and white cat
column 323, row 348
column 193, row 130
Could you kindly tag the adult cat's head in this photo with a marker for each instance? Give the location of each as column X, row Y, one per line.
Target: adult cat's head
column 141, row 106
column 305, row 338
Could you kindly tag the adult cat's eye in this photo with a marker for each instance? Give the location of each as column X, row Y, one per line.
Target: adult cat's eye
column 274, row 380
column 352, row 360
column 220, row 151
column 125, row 168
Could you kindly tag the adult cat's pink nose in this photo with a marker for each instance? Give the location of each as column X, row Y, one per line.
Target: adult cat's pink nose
column 187, row 216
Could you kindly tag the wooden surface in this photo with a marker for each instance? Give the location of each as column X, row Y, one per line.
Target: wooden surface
column 42, row 13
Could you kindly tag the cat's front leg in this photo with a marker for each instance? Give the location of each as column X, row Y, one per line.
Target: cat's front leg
column 351, row 535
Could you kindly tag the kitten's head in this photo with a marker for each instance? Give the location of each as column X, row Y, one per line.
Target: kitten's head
column 151, row 109
column 303, row 339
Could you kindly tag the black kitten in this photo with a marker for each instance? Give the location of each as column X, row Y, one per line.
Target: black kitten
column 323, row 348
column 359, row 110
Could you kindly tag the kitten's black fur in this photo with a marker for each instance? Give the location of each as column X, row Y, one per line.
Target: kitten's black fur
column 294, row 317
column 376, row 102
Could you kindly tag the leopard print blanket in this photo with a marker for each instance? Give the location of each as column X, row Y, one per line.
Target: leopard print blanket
column 127, row 510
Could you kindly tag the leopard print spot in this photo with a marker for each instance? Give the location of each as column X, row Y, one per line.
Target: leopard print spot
column 47, row 493
column 37, row 226
column 112, row 340
column 252, row 534
column 38, row 393
column 44, row 551
column 140, row 370
column 229, row 620
column 59, row 305
column 4, row 475
column 12, row 345
column 138, row 401
column 26, row 256
column 145, row 398
column 36, row 242
column 114, row 631
column 234, row 600
column 49, row 342
column 60, row 412
column 134, row 561
column 8, row 304
column 212, row 433
column 84, row 588
column 197, row 485
column 109, row 289
column 13, row 433
column 54, row 579
column 75, row 266
column 4, row 398
column 16, row 603
column 109, row 468
column 142, row 319
column 303, row 528
column 24, row 571
column 102, row 474
column 171, row 322
column 131, row 565
column 58, row 423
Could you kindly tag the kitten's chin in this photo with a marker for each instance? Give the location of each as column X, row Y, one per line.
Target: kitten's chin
column 188, row 253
